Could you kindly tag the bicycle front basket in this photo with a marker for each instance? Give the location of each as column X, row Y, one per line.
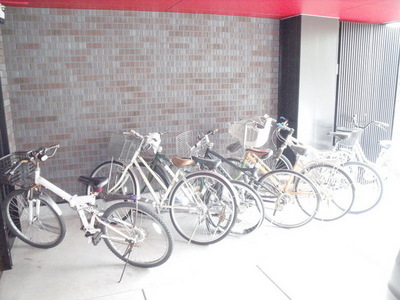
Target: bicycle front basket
column 23, row 176
column 122, row 146
column 184, row 142
column 355, row 136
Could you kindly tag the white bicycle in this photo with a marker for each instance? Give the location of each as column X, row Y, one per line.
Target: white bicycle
column 202, row 204
column 134, row 233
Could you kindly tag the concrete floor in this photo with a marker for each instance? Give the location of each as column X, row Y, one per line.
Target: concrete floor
column 350, row 258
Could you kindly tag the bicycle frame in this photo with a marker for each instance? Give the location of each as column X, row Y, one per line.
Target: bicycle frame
column 249, row 172
column 158, row 199
column 79, row 203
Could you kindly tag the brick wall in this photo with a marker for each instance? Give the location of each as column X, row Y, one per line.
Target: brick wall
column 76, row 76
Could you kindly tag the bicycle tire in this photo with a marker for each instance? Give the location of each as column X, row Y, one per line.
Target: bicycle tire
column 154, row 183
column 113, row 171
column 336, row 189
column 230, row 171
column 153, row 245
column 203, row 207
column 369, row 186
column 250, row 209
column 46, row 230
column 290, row 199
column 278, row 163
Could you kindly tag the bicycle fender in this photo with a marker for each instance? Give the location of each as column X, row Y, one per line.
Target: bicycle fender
column 46, row 198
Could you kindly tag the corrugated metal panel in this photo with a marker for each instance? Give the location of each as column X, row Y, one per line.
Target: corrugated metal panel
column 367, row 79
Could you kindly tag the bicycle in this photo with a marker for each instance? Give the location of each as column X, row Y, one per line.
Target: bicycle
column 351, row 146
column 367, row 182
column 289, row 198
column 132, row 232
column 335, row 185
column 202, row 205
column 250, row 207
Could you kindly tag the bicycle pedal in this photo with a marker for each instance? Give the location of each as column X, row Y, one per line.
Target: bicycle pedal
column 96, row 238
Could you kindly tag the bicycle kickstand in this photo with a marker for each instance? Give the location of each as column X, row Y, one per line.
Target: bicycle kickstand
column 127, row 252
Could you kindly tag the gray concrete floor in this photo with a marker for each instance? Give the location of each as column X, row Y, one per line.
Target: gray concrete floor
column 350, row 258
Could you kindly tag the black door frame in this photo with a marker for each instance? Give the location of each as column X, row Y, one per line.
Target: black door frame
column 5, row 240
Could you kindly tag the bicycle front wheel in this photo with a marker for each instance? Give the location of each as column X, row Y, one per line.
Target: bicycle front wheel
column 250, row 209
column 277, row 163
column 336, row 189
column 203, row 207
column 290, row 198
column 34, row 220
column 113, row 170
column 136, row 234
column 368, row 186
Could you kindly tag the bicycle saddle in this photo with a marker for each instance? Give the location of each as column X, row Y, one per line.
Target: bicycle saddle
column 182, row 162
column 300, row 149
column 95, row 182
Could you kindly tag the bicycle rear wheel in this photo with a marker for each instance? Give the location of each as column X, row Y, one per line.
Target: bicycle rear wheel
column 290, row 198
column 250, row 209
column 203, row 207
column 137, row 235
column 113, row 170
column 368, row 186
column 34, row 220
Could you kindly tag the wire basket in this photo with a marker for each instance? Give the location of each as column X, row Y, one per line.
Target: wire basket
column 184, row 143
column 23, row 176
column 250, row 133
column 122, row 147
column 355, row 136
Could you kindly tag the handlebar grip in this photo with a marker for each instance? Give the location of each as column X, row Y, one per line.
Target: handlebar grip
column 383, row 124
column 133, row 132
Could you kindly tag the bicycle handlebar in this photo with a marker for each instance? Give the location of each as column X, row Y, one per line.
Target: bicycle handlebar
column 283, row 126
column 43, row 153
column 382, row 125
column 150, row 140
column 206, row 138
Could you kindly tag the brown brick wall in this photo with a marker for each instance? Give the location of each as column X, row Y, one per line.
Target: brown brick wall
column 76, row 76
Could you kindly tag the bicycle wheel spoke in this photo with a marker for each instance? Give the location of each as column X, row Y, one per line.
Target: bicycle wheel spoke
column 202, row 208
column 36, row 224
column 290, row 199
column 134, row 229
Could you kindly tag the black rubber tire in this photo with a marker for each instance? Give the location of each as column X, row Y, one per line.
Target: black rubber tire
column 278, row 163
column 203, row 207
column 336, row 189
column 368, row 185
column 154, row 183
column 154, row 245
column 290, row 199
column 250, row 209
column 47, row 229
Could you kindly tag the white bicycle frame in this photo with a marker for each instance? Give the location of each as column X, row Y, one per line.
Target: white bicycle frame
column 79, row 203
column 159, row 199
